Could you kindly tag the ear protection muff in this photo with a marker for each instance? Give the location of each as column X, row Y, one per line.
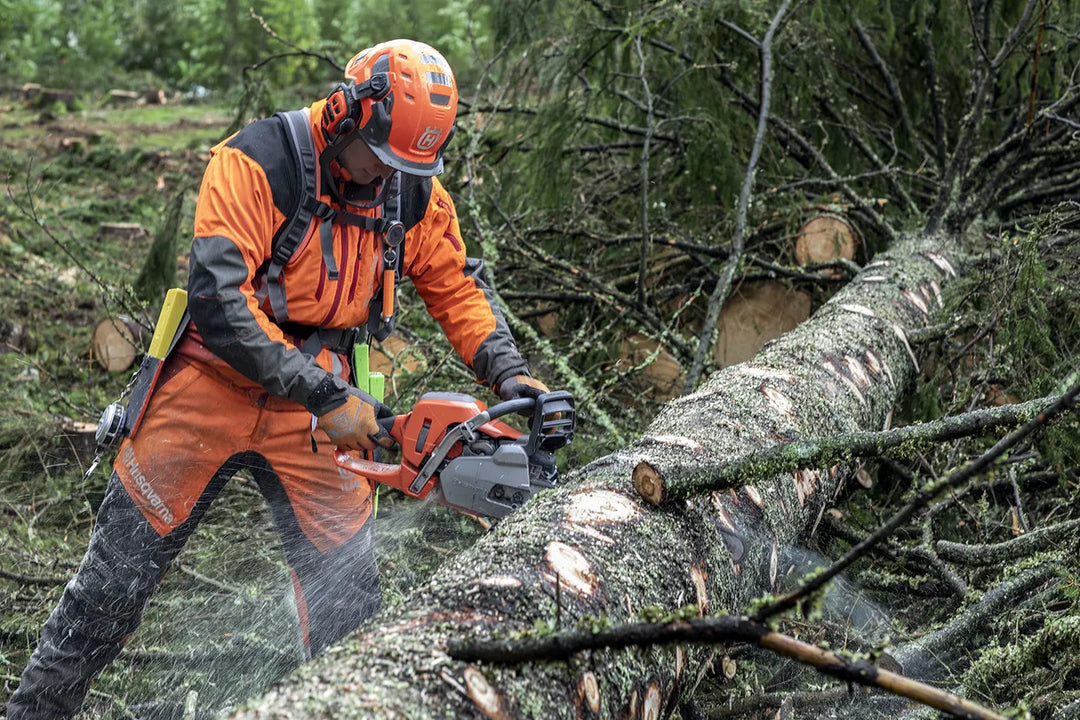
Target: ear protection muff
column 342, row 110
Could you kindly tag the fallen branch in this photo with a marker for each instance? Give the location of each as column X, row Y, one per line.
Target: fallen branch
column 563, row 645
column 923, row 498
column 940, row 649
column 1033, row 542
column 32, row 579
column 774, row 700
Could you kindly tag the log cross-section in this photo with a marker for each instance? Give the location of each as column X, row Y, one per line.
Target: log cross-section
column 595, row 551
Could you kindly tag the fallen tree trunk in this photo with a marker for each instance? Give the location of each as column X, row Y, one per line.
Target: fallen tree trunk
column 593, row 552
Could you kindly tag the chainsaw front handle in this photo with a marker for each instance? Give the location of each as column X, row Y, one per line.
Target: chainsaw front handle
column 517, row 405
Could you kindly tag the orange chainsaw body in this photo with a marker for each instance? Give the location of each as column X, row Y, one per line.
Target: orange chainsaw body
column 418, row 432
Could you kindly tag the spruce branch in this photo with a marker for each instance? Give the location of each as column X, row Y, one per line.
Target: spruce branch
column 899, row 106
column 924, row 497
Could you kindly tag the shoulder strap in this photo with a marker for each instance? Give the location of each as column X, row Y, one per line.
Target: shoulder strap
column 292, row 232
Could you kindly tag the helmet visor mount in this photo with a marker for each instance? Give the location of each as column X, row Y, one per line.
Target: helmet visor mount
column 376, row 134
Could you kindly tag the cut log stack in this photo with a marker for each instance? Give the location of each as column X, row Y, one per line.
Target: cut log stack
column 755, row 314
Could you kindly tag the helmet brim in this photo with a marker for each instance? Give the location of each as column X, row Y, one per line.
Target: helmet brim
column 390, row 159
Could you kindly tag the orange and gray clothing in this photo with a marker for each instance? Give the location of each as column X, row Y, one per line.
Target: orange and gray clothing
column 249, row 189
column 239, row 392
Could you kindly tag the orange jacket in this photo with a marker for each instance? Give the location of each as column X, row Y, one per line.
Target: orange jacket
column 248, row 191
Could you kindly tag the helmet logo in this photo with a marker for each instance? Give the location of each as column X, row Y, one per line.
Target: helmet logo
column 429, row 138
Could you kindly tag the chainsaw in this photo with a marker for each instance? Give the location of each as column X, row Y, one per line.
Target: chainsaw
column 456, row 451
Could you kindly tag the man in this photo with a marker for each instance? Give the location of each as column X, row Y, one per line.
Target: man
column 298, row 242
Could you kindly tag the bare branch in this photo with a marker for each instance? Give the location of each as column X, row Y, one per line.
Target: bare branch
column 723, row 286
column 646, row 243
column 563, row 645
column 899, row 106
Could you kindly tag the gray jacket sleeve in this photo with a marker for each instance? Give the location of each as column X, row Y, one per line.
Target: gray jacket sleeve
column 219, row 309
column 497, row 358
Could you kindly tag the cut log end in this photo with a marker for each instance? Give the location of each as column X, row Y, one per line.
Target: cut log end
column 755, row 314
column 485, row 696
column 648, row 483
column 114, row 343
column 824, row 238
column 589, row 692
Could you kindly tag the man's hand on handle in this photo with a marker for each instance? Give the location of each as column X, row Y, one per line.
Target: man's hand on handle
column 521, row 386
column 354, row 425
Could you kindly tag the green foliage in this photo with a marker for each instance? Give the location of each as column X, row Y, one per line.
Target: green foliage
column 93, row 46
column 1027, row 323
column 159, row 269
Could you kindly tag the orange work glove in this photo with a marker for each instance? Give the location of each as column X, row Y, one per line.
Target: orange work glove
column 355, row 425
column 521, row 386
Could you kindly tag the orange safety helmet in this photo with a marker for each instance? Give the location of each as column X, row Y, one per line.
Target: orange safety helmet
column 402, row 101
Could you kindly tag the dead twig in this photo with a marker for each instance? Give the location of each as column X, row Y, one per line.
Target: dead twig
column 32, row 579
column 562, row 645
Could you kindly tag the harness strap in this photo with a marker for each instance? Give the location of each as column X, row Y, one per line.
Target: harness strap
column 292, row 232
column 310, row 209
column 382, row 309
column 312, row 340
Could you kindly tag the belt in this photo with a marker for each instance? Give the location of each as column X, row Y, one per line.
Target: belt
column 311, row 340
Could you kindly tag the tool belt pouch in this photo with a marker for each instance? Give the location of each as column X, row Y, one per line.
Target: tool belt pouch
column 119, row 420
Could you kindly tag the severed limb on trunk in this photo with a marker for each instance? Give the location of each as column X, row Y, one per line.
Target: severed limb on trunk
column 725, row 629
column 674, row 483
column 593, row 551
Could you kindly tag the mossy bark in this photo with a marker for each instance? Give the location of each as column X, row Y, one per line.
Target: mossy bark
column 594, row 551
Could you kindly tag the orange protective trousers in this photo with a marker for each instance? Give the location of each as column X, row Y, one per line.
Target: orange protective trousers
column 204, row 422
